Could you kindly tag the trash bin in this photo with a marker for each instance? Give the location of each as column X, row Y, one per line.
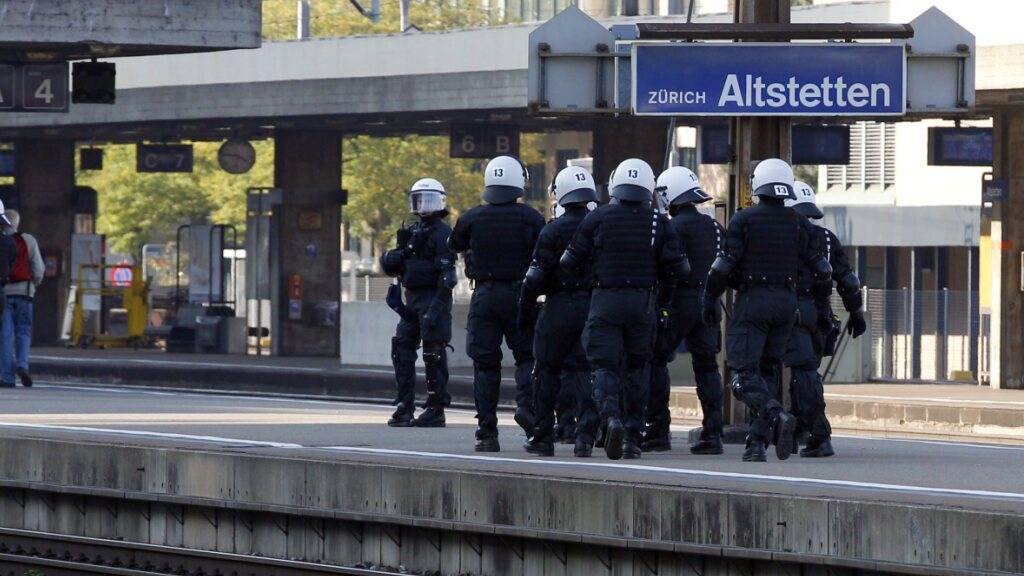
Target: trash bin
column 208, row 331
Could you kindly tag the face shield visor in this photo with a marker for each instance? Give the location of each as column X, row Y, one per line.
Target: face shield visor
column 424, row 202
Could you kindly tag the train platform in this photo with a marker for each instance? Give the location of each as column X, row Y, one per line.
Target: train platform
column 884, row 505
column 926, row 410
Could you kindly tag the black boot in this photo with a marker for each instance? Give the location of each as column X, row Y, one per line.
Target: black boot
column 524, row 418
column 710, row 445
column 583, row 448
column 613, row 438
column 755, row 451
column 539, row 447
column 783, row 427
column 402, row 418
column 818, row 448
column 487, row 445
column 26, row 379
column 631, row 450
column 432, row 417
column 656, row 442
column 567, row 434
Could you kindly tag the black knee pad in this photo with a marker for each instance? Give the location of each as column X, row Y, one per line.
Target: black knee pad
column 433, row 354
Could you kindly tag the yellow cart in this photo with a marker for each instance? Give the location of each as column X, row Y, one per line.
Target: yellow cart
column 135, row 300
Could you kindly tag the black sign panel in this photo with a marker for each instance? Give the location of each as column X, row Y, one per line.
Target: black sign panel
column 484, row 141
column 163, row 158
column 34, row 87
column 821, row 144
column 959, row 146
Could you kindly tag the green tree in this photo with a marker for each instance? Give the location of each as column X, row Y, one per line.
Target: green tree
column 379, row 171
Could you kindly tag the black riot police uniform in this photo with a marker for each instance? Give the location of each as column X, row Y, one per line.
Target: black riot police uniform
column 630, row 247
column 559, row 328
column 426, row 267
column 808, row 342
column 701, row 236
column 764, row 246
column 498, row 240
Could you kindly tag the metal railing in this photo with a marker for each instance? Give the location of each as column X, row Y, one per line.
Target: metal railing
column 933, row 335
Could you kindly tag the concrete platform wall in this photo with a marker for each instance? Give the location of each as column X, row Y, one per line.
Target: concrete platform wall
column 477, row 523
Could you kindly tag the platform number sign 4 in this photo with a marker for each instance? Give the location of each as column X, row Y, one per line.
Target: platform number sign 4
column 44, row 87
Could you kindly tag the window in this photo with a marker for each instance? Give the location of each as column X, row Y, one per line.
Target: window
column 872, row 159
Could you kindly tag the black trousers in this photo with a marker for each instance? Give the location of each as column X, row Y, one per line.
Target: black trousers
column 492, row 319
column 803, row 357
column 756, row 340
column 408, row 335
column 618, row 338
column 703, row 342
column 557, row 347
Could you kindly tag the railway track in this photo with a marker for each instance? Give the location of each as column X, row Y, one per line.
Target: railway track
column 45, row 554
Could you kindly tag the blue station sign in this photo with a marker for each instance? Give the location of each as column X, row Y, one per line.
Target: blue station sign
column 768, row 79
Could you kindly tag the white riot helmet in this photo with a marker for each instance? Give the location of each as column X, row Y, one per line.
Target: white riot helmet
column 574, row 184
column 679, row 185
column 804, row 203
column 504, row 180
column 426, row 197
column 632, row 180
column 772, row 178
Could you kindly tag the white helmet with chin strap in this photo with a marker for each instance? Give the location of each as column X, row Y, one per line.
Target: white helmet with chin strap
column 632, row 180
column 679, row 185
column 427, row 196
column 574, row 184
column 772, row 178
column 804, row 203
column 504, row 180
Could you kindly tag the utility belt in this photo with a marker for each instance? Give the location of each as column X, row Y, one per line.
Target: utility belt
column 574, row 293
column 479, row 283
column 695, row 284
column 787, row 283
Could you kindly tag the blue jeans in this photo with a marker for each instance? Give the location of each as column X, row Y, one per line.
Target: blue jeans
column 15, row 337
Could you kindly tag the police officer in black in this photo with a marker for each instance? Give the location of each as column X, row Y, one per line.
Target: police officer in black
column 764, row 246
column 497, row 239
column 631, row 248
column 680, row 192
column 426, row 267
column 809, row 340
column 560, row 323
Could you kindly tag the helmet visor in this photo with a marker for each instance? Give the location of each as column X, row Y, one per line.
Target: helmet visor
column 426, row 202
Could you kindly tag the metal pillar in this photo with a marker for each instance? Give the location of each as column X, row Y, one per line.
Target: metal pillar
column 45, row 180
column 1007, row 235
column 307, row 169
column 754, row 139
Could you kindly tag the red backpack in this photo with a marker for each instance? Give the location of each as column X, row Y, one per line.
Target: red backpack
column 20, row 271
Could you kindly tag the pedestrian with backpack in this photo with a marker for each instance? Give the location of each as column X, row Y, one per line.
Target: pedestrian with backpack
column 26, row 273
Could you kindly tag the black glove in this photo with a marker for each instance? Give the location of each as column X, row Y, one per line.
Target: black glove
column 709, row 311
column 857, row 325
column 394, row 297
column 404, row 235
